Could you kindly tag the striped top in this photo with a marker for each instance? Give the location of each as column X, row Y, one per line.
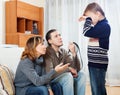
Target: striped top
column 97, row 57
column 97, row 51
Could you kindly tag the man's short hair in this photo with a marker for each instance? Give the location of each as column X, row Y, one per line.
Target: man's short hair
column 48, row 35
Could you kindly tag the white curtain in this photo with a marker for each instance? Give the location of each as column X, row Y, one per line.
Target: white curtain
column 63, row 15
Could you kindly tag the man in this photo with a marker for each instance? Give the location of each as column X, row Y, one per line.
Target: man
column 72, row 80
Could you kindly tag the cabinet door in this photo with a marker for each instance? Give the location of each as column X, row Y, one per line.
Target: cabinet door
column 11, row 22
column 41, row 21
column 23, row 39
column 28, row 11
column 36, row 13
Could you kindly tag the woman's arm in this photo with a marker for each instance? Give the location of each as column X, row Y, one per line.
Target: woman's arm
column 27, row 67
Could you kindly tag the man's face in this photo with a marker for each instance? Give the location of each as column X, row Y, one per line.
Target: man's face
column 56, row 39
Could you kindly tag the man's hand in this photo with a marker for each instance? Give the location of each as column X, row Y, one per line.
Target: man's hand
column 73, row 71
column 71, row 47
column 50, row 92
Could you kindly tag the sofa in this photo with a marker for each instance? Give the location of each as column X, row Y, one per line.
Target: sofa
column 9, row 59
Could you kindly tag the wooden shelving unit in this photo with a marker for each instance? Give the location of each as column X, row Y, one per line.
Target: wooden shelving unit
column 20, row 18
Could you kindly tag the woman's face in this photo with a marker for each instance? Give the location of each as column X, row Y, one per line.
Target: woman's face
column 41, row 49
column 93, row 15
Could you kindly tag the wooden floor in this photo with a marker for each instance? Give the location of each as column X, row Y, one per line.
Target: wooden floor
column 111, row 90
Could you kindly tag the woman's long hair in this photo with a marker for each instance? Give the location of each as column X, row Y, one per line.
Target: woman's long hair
column 30, row 48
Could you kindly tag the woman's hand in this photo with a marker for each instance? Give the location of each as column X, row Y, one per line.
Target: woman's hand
column 61, row 67
column 50, row 92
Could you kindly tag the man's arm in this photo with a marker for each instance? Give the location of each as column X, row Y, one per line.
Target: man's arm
column 75, row 59
column 72, row 59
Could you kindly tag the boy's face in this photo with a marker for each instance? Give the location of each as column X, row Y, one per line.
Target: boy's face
column 94, row 16
column 56, row 39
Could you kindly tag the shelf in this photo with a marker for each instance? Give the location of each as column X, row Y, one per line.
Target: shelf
column 20, row 19
column 29, row 25
column 20, row 25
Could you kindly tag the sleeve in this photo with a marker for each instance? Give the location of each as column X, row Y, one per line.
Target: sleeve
column 75, row 62
column 48, row 64
column 48, row 86
column 88, row 25
column 31, row 74
column 100, row 30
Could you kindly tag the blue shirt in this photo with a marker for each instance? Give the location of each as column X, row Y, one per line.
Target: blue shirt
column 101, row 31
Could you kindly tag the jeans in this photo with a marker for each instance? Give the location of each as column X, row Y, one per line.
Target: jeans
column 70, row 85
column 66, row 81
column 80, row 84
column 41, row 90
column 97, row 80
column 57, row 89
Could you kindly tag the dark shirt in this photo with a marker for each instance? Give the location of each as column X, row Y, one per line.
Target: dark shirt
column 100, row 31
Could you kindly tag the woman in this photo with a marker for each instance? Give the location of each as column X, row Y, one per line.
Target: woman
column 30, row 78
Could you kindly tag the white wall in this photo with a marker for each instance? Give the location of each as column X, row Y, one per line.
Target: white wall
column 10, row 57
column 39, row 3
column 2, row 21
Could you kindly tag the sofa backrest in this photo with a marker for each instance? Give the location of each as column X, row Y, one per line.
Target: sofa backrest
column 10, row 57
column 6, row 81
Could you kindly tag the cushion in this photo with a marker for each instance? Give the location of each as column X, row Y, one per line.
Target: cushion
column 2, row 91
column 6, row 77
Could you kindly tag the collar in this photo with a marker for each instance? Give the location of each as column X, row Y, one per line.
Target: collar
column 52, row 50
column 39, row 60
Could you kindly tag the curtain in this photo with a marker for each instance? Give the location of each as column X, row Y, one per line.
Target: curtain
column 63, row 15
